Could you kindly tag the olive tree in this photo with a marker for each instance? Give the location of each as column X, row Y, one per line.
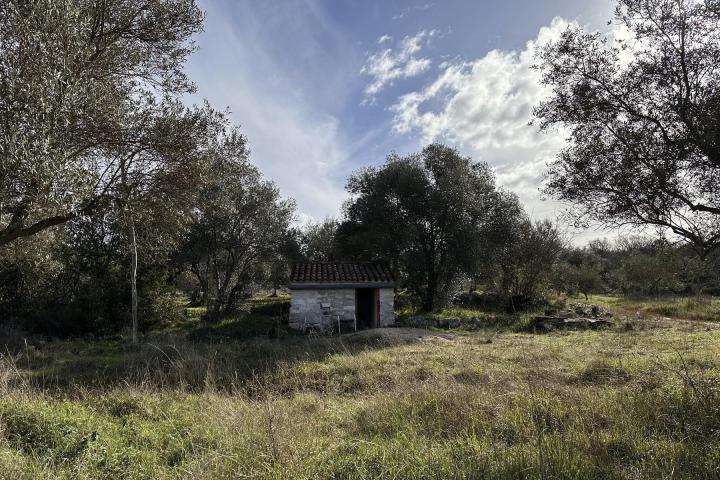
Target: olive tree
column 527, row 260
column 317, row 240
column 239, row 225
column 429, row 215
column 643, row 117
column 80, row 82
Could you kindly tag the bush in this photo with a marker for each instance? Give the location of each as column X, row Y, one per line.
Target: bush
column 160, row 311
column 481, row 301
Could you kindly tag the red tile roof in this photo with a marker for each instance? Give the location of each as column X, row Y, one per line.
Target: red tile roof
column 351, row 273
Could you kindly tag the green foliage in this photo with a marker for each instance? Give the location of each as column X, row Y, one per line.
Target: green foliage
column 88, row 89
column 523, row 270
column 317, row 241
column 637, row 266
column 642, row 120
column 648, row 274
column 239, row 227
column 74, row 281
column 432, row 216
column 97, row 140
column 578, row 271
column 158, row 310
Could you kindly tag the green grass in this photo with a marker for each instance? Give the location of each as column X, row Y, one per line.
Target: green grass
column 256, row 317
column 639, row 401
column 703, row 308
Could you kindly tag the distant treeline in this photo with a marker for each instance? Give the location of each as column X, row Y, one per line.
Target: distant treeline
column 637, row 266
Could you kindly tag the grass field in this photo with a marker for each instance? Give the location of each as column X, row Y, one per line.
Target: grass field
column 688, row 308
column 638, row 401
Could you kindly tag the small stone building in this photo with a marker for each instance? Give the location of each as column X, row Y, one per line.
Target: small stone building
column 349, row 296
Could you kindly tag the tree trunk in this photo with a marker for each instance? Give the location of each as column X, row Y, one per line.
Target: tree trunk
column 429, row 300
column 133, row 252
column 206, row 293
column 133, row 281
column 431, row 291
column 232, row 299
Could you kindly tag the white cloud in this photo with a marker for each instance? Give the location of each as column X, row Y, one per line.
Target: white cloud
column 383, row 39
column 388, row 65
column 484, row 107
column 406, row 11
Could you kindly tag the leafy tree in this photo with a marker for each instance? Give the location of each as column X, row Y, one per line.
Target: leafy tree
column 289, row 251
column 240, row 224
column 698, row 275
column 92, row 293
column 317, row 241
column 28, row 268
column 85, row 89
column 579, row 271
column 653, row 266
column 527, row 261
column 649, row 274
column 73, row 280
column 643, row 119
column 426, row 214
column 503, row 229
column 158, row 186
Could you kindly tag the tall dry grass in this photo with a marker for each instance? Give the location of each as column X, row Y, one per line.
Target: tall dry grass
column 642, row 403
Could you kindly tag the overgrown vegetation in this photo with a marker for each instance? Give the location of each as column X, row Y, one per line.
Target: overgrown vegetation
column 637, row 266
column 158, row 200
column 640, row 400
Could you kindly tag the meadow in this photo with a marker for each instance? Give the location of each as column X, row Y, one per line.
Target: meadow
column 247, row 399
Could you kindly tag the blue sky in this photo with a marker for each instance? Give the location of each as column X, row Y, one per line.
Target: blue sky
column 323, row 87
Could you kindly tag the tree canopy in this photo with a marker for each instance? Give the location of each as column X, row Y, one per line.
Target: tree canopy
column 239, row 225
column 428, row 214
column 643, row 117
column 87, row 88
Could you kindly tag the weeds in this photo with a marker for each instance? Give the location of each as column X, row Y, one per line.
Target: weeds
column 698, row 308
column 642, row 403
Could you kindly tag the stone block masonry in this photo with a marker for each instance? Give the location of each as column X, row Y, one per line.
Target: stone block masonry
column 387, row 307
column 321, row 307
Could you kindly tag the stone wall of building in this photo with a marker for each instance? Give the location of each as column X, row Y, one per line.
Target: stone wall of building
column 321, row 307
column 387, row 307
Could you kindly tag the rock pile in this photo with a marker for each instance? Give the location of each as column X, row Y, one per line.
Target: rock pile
column 580, row 310
column 579, row 316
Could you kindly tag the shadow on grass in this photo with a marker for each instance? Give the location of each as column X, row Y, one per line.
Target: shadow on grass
column 234, row 355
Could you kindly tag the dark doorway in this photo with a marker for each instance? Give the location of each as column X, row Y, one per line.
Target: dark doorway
column 365, row 308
